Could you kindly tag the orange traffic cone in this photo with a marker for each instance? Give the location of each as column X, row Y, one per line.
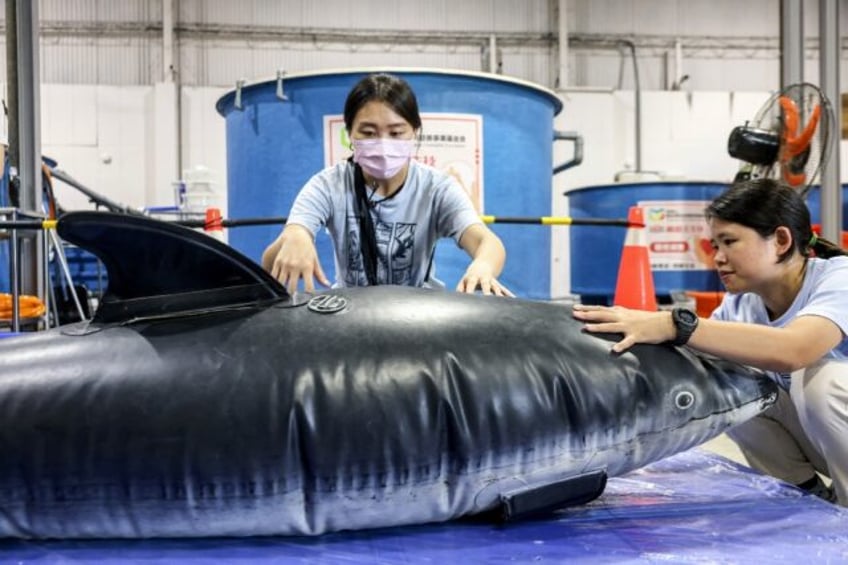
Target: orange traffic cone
column 635, row 286
column 214, row 226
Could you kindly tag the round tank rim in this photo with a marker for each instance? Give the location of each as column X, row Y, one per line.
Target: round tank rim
column 631, row 185
column 558, row 105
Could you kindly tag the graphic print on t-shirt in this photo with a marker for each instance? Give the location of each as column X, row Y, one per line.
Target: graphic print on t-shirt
column 395, row 253
column 355, row 273
column 397, row 243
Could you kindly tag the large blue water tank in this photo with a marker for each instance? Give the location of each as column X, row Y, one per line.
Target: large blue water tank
column 596, row 251
column 814, row 204
column 276, row 143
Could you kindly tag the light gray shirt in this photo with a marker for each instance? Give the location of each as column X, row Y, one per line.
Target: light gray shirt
column 429, row 206
column 824, row 293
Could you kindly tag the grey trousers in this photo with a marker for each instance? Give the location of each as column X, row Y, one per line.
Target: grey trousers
column 805, row 432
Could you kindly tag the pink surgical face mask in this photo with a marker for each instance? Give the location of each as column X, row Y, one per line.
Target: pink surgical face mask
column 382, row 158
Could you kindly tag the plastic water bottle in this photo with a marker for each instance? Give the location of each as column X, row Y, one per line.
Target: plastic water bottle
column 180, row 196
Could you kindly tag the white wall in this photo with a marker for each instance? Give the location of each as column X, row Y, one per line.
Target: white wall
column 203, row 130
column 118, row 141
column 100, row 135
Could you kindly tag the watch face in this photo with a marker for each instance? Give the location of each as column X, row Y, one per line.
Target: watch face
column 688, row 316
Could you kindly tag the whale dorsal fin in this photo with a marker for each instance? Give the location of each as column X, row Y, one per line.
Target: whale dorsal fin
column 158, row 268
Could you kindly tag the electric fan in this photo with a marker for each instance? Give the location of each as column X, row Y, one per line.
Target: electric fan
column 788, row 139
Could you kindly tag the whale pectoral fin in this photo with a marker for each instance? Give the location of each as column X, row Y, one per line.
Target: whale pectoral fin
column 540, row 499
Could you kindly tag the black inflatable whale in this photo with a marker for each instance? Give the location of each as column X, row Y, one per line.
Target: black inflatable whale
column 202, row 400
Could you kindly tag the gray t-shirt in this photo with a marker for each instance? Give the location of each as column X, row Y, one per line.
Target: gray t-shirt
column 407, row 225
column 824, row 293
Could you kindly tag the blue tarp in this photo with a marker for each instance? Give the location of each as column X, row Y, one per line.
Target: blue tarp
column 695, row 507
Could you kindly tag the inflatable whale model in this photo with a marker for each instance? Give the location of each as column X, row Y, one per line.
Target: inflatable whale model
column 203, row 400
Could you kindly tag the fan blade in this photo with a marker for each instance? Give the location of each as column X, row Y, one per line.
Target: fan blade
column 790, row 115
column 795, row 149
column 795, row 145
column 794, row 179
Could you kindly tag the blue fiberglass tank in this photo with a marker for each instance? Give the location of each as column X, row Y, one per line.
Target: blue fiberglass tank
column 596, row 251
column 814, row 204
column 280, row 133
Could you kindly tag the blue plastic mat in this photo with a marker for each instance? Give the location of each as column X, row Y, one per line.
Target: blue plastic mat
column 695, row 507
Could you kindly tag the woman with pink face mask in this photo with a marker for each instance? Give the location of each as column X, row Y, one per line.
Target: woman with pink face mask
column 785, row 312
column 383, row 209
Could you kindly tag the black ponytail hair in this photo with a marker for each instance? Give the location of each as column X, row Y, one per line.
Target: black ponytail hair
column 826, row 249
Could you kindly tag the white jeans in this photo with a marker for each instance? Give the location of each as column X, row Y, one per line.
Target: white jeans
column 806, row 431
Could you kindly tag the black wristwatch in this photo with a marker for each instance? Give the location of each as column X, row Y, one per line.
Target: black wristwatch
column 685, row 322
